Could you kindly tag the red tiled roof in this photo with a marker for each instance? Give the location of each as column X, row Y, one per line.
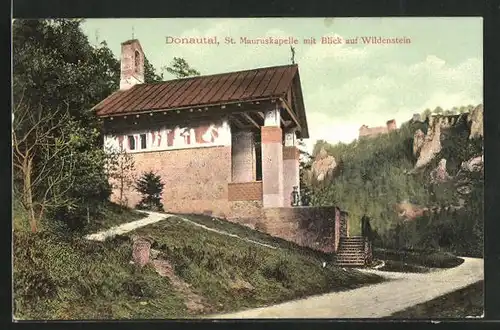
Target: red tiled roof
column 257, row 84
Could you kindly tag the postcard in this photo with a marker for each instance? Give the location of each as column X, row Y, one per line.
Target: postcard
column 248, row 168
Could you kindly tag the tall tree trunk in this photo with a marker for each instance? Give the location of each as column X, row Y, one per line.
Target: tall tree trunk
column 121, row 190
column 28, row 194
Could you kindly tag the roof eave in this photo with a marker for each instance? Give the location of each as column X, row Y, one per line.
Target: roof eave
column 304, row 133
column 131, row 113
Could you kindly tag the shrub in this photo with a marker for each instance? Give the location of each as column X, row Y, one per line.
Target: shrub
column 279, row 271
column 150, row 187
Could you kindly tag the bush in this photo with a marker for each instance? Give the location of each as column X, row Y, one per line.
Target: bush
column 279, row 271
column 150, row 187
column 419, row 258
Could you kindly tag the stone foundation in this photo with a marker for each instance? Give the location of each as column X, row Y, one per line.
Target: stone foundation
column 314, row 227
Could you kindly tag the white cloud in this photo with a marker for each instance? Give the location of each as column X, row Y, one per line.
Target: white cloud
column 336, row 113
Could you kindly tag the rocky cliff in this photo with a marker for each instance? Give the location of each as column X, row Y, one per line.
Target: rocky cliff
column 322, row 167
column 438, row 157
column 427, row 146
column 422, row 185
column 475, row 120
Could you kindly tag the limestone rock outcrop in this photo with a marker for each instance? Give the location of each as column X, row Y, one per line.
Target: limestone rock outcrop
column 475, row 120
column 431, row 145
column 475, row 164
column 409, row 211
column 323, row 165
column 463, row 181
column 439, row 174
column 418, row 141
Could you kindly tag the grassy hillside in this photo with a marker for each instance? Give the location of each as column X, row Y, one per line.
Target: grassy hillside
column 62, row 278
column 374, row 174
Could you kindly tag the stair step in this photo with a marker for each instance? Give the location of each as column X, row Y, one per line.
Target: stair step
column 350, row 251
column 349, row 257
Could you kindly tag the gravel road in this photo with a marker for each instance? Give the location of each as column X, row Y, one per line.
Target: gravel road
column 403, row 290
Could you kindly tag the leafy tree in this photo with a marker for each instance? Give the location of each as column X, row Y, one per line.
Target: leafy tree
column 427, row 113
column 53, row 60
column 150, row 75
column 120, row 168
column 42, row 180
column 438, row 110
column 150, row 187
column 181, row 69
column 304, row 168
column 58, row 77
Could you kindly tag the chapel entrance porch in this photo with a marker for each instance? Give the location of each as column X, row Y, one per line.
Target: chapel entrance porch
column 264, row 156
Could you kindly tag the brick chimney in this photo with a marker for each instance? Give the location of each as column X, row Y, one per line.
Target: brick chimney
column 132, row 64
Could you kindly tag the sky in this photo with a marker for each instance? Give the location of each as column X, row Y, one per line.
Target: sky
column 344, row 85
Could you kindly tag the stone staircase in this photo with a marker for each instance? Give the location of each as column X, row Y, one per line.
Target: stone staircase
column 351, row 252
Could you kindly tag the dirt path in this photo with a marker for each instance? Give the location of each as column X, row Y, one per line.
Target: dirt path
column 154, row 217
column 402, row 291
column 226, row 233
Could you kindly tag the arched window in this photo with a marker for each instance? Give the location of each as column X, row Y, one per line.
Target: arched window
column 137, row 60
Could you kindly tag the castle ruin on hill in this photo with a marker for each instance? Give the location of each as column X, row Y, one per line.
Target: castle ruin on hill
column 365, row 131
